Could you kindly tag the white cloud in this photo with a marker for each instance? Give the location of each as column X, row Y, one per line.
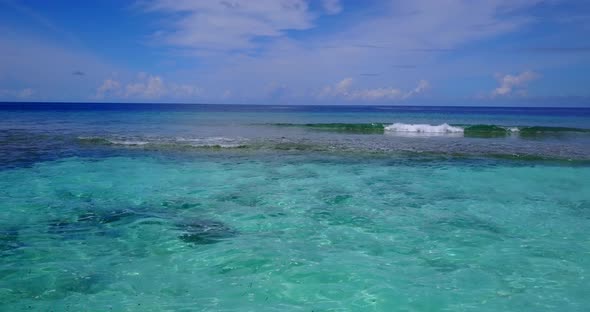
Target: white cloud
column 234, row 24
column 416, row 24
column 149, row 87
column 344, row 90
column 229, row 24
column 184, row 91
column 227, row 94
column 422, row 86
column 332, row 6
column 109, row 87
column 48, row 66
column 24, row 93
column 403, row 32
column 251, row 47
column 145, row 87
column 514, row 83
column 277, row 90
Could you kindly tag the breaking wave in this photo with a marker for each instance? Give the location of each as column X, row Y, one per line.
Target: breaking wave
column 441, row 129
column 423, row 128
column 363, row 128
column 210, row 142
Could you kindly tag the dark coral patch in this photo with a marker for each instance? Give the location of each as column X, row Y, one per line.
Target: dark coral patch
column 90, row 222
column 9, row 240
column 204, row 232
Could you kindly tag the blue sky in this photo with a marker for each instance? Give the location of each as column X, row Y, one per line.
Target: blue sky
column 399, row 52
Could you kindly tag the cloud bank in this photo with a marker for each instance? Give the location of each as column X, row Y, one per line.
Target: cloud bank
column 21, row 94
column 345, row 90
column 291, row 51
column 511, row 84
column 147, row 87
column 332, row 6
column 230, row 24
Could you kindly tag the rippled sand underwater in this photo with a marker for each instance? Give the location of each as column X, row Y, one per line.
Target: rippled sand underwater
column 293, row 232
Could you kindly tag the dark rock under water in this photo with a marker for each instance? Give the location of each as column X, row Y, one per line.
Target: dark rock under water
column 109, row 217
column 89, row 222
column 203, row 232
column 194, row 231
column 9, row 240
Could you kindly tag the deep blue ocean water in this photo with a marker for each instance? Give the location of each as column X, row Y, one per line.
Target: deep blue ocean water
column 159, row 207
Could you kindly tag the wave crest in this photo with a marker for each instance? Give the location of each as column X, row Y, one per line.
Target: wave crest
column 423, row 128
column 477, row 130
column 209, row 142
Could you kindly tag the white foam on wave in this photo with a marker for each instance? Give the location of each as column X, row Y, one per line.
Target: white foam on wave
column 162, row 141
column 128, row 142
column 423, row 128
column 212, row 141
column 114, row 141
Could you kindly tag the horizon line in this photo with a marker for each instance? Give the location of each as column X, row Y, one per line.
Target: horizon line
column 2, row 103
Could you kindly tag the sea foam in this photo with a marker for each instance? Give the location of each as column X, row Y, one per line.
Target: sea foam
column 213, row 141
column 128, row 142
column 423, row 128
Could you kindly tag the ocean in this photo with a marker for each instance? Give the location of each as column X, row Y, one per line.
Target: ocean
column 165, row 207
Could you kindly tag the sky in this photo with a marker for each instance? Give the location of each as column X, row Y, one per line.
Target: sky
column 381, row 52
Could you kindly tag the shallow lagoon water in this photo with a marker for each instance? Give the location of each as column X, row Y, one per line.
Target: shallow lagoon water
column 99, row 227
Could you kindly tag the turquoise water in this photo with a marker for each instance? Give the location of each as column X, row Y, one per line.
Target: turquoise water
column 193, row 211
